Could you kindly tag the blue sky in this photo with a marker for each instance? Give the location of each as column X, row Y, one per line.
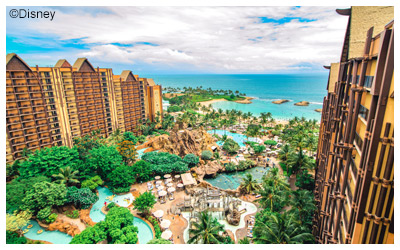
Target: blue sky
column 183, row 40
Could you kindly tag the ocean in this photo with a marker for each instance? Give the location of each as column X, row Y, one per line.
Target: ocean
column 264, row 88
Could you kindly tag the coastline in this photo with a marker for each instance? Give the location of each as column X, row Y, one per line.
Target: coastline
column 247, row 100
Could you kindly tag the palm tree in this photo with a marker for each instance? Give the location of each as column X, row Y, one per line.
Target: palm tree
column 245, row 240
column 299, row 161
column 284, row 153
column 206, row 230
column 280, row 229
column 66, row 176
column 249, row 185
column 303, row 203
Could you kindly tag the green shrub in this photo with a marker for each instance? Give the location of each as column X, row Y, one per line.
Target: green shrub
column 119, row 190
column 14, row 238
column 52, row 218
column 156, row 226
column 92, row 183
column 111, row 205
column 141, row 139
column 270, row 142
column 230, row 167
column 230, row 146
column 191, row 159
column 206, row 155
column 44, row 213
column 72, row 214
column 81, row 197
column 174, row 108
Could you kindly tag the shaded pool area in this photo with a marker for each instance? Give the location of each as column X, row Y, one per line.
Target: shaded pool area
column 55, row 237
column 145, row 233
column 233, row 180
column 239, row 138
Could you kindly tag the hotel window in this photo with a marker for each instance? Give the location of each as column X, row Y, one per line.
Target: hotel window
column 368, row 81
column 357, row 79
column 358, row 140
column 354, row 168
column 363, row 112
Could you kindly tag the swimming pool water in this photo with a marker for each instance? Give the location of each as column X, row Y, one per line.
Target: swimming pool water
column 55, row 237
column 140, row 152
column 239, row 138
column 233, row 180
column 145, row 234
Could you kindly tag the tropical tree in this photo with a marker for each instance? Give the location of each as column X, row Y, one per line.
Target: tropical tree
column 249, row 185
column 44, row 194
column 284, row 153
column 230, row 146
column 81, row 197
column 298, row 161
column 127, row 150
column 206, row 231
column 279, row 228
column 16, row 221
column 145, row 202
column 245, row 240
column 303, row 203
column 67, row 176
column 191, row 159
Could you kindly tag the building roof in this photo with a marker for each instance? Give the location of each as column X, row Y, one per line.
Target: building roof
column 127, row 75
column 83, row 65
column 14, row 62
column 361, row 19
column 62, row 63
column 188, row 179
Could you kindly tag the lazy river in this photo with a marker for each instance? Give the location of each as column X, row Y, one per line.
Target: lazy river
column 145, row 233
column 55, row 237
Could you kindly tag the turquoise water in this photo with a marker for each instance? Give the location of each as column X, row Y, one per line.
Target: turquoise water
column 239, row 138
column 233, row 180
column 55, row 237
column 266, row 88
column 145, row 234
column 140, row 152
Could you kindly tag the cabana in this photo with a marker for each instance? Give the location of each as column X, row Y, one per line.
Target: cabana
column 188, row 179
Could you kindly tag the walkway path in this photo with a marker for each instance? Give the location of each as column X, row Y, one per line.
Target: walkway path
column 76, row 222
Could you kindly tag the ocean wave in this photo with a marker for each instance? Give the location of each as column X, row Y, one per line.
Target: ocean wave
column 318, row 103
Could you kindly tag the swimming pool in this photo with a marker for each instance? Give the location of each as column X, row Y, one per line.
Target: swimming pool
column 233, row 180
column 145, row 233
column 239, row 138
column 55, row 237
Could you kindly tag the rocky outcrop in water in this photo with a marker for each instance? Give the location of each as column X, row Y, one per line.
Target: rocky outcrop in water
column 210, row 169
column 280, row 101
column 64, row 227
column 302, row 103
column 85, row 218
column 183, row 142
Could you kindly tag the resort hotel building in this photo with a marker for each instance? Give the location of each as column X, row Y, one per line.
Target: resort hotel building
column 354, row 177
column 49, row 106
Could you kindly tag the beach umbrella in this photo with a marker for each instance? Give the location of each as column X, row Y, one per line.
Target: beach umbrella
column 160, row 188
column 170, row 184
column 162, row 193
column 165, row 224
column 171, row 189
column 167, row 176
column 177, row 176
column 157, row 177
column 179, row 185
column 168, row 180
column 159, row 182
column 166, row 235
column 158, row 213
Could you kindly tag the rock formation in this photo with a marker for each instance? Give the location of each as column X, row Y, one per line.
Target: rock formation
column 280, row 101
column 209, row 169
column 318, row 110
column 85, row 218
column 183, row 142
column 233, row 218
column 302, row 103
column 64, row 227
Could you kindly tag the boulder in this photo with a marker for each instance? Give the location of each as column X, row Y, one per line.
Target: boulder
column 85, row 218
column 183, row 142
column 64, row 227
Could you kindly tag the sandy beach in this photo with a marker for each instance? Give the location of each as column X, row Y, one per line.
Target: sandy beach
column 206, row 103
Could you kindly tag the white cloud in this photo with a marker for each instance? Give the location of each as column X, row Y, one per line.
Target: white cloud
column 217, row 39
